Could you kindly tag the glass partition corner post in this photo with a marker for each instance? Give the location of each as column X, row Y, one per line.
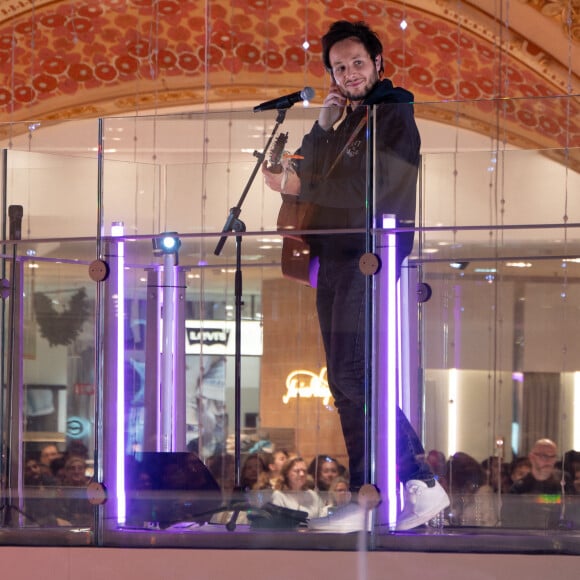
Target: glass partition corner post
column 113, row 386
column 381, row 337
column 11, row 468
column 386, row 378
column 392, row 178
column 110, row 359
column 13, row 503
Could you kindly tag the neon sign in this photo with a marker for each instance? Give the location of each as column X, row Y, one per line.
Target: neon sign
column 305, row 384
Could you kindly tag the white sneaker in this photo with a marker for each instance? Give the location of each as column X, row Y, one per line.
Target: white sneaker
column 422, row 503
column 349, row 518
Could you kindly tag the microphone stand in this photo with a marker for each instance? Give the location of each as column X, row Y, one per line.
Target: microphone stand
column 234, row 224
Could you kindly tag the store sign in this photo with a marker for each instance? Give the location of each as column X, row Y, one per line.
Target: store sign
column 218, row 337
column 305, row 384
column 77, row 427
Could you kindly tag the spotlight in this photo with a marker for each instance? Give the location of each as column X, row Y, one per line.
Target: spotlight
column 167, row 243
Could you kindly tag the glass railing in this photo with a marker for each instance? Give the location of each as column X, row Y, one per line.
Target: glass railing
column 169, row 377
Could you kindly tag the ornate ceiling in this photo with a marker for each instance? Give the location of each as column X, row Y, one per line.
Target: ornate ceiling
column 92, row 58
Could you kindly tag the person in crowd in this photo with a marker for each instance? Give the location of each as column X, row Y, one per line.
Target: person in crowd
column 543, row 477
column 221, row 466
column 57, row 469
column 520, row 467
column 331, row 175
column 437, row 463
column 75, row 469
column 34, row 475
column 497, row 473
column 36, row 499
column 48, row 453
column 571, row 465
column 274, row 462
column 72, row 508
column 293, row 490
column 323, row 470
column 253, row 466
column 537, row 500
column 576, row 481
column 472, row 499
column 78, row 449
column 339, row 492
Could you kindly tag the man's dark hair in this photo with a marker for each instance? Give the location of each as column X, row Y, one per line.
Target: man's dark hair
column 344, row 29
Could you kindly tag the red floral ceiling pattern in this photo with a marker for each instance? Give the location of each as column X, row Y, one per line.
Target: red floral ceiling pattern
column 99, row 57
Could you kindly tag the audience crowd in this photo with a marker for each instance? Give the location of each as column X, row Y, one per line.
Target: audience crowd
column 529, row 491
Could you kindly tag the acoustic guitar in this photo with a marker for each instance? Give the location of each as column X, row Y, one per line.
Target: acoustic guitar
column 294, row 215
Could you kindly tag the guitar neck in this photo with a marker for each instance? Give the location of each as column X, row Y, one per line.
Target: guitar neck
column 275, row 165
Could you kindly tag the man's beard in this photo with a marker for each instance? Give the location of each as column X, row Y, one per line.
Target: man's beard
column 368, row 89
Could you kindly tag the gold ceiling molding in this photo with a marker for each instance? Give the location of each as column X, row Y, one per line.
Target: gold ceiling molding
column 13, row 8
column 565, row 12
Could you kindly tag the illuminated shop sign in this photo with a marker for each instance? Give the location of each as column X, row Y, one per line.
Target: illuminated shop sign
column 305, row 384
column 218, row 337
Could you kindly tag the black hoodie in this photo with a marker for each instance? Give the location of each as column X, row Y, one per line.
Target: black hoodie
column 340, row 193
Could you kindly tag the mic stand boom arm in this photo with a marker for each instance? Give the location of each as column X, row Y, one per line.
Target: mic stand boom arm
column 234, row 224
column 231, row 224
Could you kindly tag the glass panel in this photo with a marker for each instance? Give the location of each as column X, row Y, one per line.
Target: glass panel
column 49, row 309
column 496, row 255
column 140, row 373
column 230, row 414
column 55, row 184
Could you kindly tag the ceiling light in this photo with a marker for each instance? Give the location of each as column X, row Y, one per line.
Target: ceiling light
column 458, row 265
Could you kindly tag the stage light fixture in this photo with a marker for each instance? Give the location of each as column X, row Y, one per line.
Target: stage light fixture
column 166, row 243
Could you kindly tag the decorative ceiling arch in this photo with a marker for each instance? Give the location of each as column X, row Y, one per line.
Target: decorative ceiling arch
column 94, row 58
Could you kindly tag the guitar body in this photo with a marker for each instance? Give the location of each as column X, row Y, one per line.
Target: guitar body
column 297, row 264
column 294, row 215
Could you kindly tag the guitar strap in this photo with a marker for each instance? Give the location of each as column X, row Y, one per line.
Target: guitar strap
column 356, row 131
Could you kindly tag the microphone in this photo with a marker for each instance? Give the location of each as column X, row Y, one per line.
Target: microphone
column 285, row 102
column 15, row 213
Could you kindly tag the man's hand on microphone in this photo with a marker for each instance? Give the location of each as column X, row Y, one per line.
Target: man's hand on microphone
column 332, row 108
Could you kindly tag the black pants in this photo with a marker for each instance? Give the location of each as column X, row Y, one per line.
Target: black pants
column 341, row 305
